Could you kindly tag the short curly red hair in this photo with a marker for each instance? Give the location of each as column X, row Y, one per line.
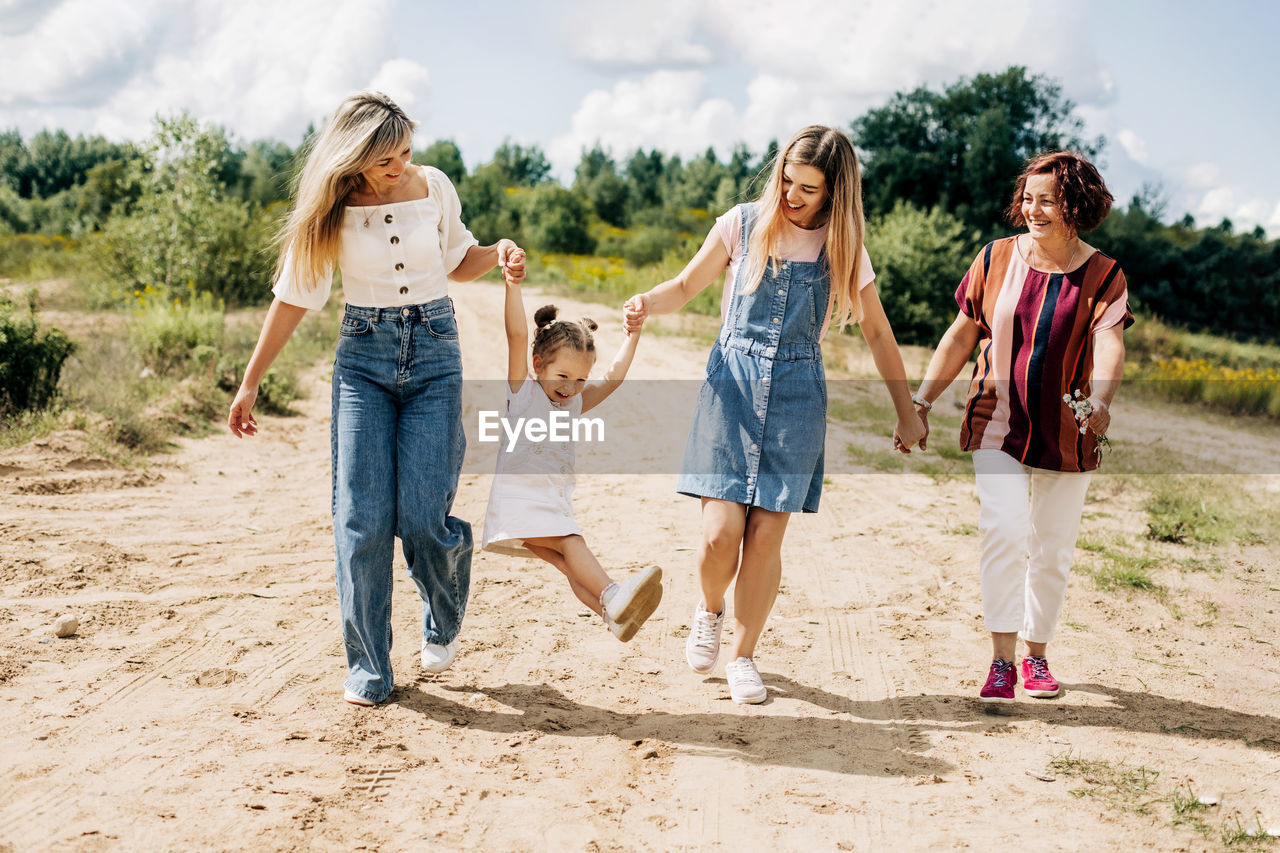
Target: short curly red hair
column 1084, row 196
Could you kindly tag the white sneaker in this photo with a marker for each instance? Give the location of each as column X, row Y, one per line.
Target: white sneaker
column 703, row 645
column 745, row 685
column 436, row 658
column 625, row 606
column 357, row 699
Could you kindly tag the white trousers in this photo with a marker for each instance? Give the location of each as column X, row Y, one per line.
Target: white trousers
column 1028, row 523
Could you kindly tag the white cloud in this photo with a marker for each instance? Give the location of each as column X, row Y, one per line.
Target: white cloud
column 1204, row 175
column 79, row 51
column 664, row 110
column 655, row 32
column 870, row 50
column 260, row 69
column 818, row 62
column 403, row 80
column 1133, row 145
column 1222, row 202
column 1215, row 204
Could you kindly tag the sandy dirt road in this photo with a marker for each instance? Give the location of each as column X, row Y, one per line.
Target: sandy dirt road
column 199, row 705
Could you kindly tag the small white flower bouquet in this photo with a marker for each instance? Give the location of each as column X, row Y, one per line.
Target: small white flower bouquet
column 1081, row 407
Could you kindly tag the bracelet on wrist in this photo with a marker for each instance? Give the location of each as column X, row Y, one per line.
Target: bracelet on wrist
column 921, row 401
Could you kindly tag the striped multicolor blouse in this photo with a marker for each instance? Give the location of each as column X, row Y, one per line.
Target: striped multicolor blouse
column 1036, row 345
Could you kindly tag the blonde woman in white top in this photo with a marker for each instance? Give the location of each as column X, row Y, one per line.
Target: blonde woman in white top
column 395, row 230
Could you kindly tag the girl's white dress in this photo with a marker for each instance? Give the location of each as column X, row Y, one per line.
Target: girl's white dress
column 532, row 492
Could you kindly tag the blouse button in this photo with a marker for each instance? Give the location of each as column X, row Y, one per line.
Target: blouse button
column 404, row 291
column 395, row 240
column 401, row 266
column 388, row 219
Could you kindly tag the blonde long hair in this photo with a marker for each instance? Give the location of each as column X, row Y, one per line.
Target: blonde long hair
column 366, row 127
column 831, row 152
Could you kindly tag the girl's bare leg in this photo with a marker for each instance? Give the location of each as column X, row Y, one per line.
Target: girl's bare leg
column 574, row 559
column 723, row 524
column 758, row 578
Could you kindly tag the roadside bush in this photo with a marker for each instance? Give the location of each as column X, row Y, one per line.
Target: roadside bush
column 919, row 257
column 176, row 338
column 185, row 231
column 30, row 362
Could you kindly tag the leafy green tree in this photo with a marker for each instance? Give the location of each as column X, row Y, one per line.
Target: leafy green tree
column 265, row 173
column 597, row 180
column 556, row 220
column 521, row 166
column 919, row 258
column 700, row 181
column 489, row 205
column 186, row 232
column 961, row 148
column 13, row 157
column 445, row 156
column 644, row 175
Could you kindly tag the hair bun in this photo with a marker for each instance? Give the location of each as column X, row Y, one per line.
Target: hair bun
column 589, row 323
column 545, row 316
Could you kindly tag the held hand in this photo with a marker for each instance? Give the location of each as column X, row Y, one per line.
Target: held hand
column 909, row 431
column 635, row 311
column 924, row 420
column 511, row 261
column 240, row 420
column 1100, row 420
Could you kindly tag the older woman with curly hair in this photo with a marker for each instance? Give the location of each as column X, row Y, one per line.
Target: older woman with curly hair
column 1046, row 312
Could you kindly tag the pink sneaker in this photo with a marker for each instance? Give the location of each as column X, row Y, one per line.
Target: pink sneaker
column 1000, row 682
column 1037, row 680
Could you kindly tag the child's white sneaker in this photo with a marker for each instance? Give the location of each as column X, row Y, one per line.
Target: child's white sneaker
column 745, row 685
column 437, row 658
column 703, row 644
column 625, row 606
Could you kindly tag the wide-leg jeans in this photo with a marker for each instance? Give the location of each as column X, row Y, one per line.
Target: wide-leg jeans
column 398, row 443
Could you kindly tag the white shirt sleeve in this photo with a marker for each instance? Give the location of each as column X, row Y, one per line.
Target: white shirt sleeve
column 311, row 295
column 455, row 238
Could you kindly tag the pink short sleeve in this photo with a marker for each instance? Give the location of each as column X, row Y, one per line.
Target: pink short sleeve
column 729, row 227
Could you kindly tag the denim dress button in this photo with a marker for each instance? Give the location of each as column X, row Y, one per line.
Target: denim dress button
column 404, row 312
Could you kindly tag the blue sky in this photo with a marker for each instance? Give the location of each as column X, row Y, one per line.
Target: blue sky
column 1183, row 91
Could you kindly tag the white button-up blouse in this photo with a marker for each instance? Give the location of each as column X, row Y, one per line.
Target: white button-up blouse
column 392, row 254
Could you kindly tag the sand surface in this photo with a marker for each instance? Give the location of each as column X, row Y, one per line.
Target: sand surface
column 199, row 705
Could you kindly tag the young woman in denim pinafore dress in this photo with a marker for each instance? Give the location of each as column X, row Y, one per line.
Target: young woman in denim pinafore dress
column 755, row 450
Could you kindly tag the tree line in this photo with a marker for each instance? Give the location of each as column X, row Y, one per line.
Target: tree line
column 190, row 209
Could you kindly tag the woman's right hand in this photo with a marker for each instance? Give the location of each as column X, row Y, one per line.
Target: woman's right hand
column 635, row 311
column 510, row 261
column 240, row 420
column 924, row 420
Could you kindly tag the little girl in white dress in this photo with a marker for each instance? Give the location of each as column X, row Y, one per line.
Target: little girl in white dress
column 530, row 509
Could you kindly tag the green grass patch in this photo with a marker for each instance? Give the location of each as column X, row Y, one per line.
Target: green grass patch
column 1126, row 571
column 148, row 374
column 1088, row 543
column 1207, row 510
column 1139, row 790
column 1119, row 785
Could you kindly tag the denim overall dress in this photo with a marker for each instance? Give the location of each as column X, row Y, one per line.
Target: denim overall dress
column 760, row 425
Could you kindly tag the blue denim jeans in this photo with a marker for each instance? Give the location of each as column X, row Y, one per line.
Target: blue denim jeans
column 397, row 443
